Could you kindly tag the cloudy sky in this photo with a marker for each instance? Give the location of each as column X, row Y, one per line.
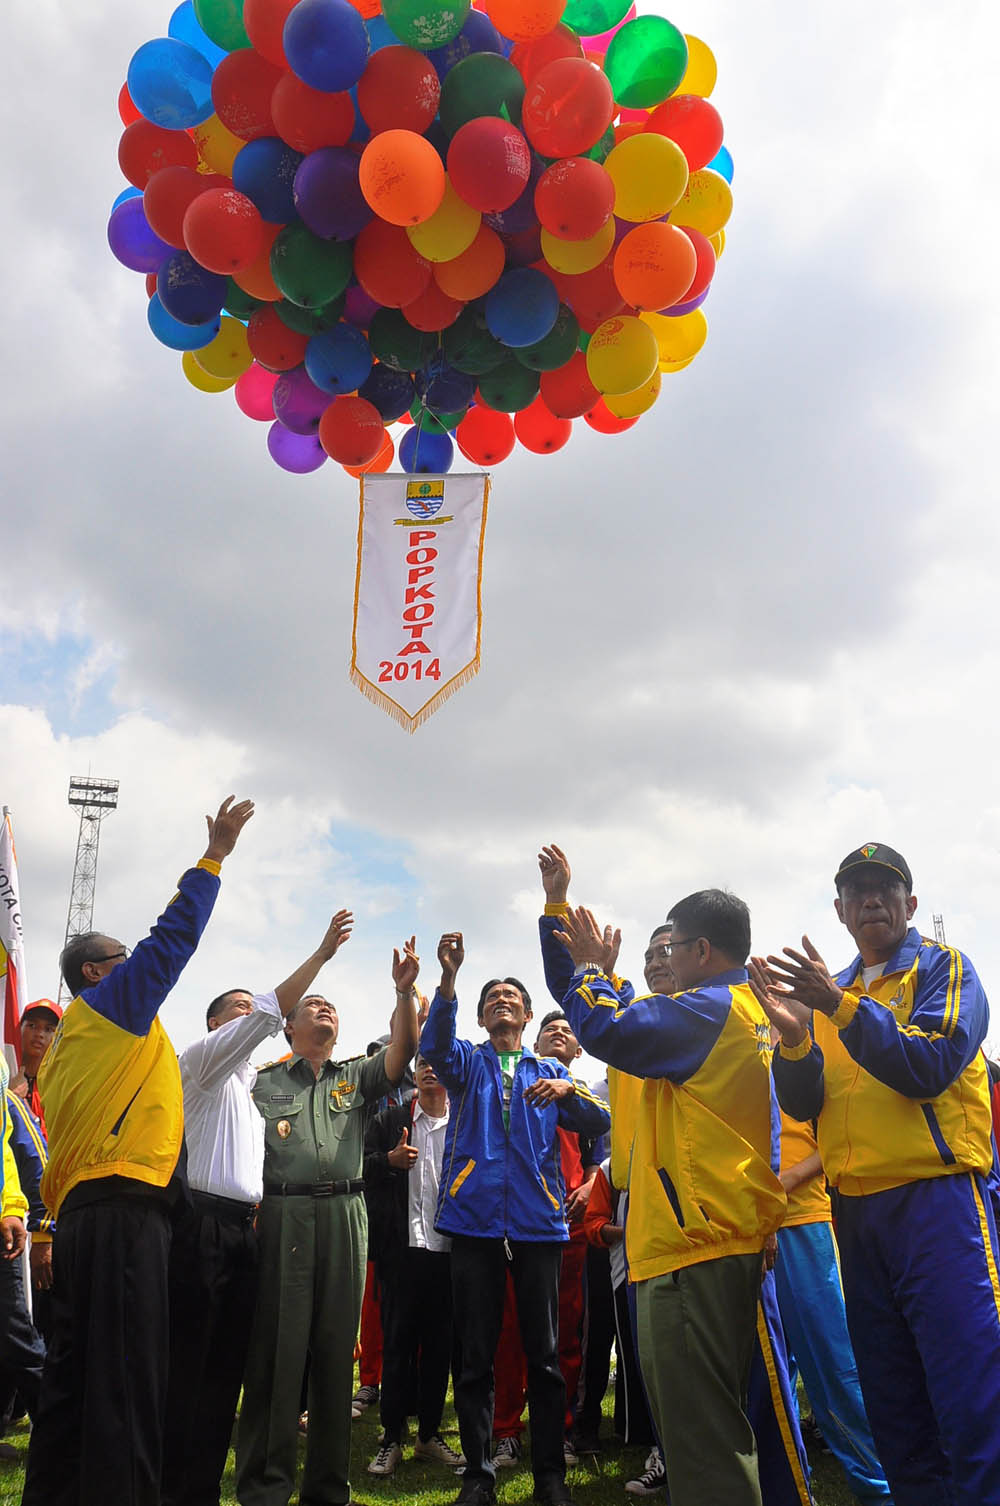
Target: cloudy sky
column 723, row 648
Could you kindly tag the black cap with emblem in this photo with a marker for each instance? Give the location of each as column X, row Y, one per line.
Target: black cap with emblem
column 876, row 855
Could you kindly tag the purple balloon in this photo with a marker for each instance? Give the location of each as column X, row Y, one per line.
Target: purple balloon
column 359, row 309
column 676, row 309
column 132, row 240
column 298, row 402
column 328, row 195
column 521, row 214
column 298, row 453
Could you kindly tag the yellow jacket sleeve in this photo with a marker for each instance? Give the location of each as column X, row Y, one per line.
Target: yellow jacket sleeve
column 13, row 1203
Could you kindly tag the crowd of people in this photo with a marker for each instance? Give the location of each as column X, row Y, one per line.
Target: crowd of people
column 785, row 1172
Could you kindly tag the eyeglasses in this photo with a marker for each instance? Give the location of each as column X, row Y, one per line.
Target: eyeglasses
column 669, row 947
column 123, row 955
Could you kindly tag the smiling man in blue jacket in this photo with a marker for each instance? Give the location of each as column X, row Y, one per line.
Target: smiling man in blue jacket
column 501, row 1201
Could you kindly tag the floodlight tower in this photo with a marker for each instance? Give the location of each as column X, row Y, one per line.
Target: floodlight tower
column 94, row 798
column 939, row 930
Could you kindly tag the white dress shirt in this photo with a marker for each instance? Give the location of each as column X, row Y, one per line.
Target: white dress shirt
column 224, row 1131
column 424, row 1178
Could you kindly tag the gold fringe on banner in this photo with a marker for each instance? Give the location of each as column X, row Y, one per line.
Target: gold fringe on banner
column 392, row 708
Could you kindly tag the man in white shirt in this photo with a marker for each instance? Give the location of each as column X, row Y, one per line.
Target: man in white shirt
column 403, row 1153
column 213, row 1261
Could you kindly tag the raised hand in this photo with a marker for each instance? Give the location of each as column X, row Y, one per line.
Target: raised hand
column 584, row 939
column 553, row 865
column 402, row 1155
column 451, row 954
column 787, row 1015
column 807, row 979
column 337, row 932
column 225, row 827
column 406, row 967
column 612, row 945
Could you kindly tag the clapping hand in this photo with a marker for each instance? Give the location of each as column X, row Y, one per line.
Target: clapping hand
column 406, row 967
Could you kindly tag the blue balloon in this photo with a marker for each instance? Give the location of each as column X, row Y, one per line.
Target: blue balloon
column 444, row 389
column 326, row 44
column 380, row 33
column 522, row 307
column 132, row 239
column 184, row 28
column 339, row 360
column 360, row 131
column 424, row 454
column 477, row 35
column 722, row 163
column 391, row 392
column 175, row 335
column 187, row 292
column 126, row 193
column 171, row 84
column 265, row 171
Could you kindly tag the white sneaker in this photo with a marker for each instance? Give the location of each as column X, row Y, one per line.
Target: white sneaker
column 386, row 1460
column 507, row 1453
column 569, row 1454
column 652, row 1479
column 435, row 1448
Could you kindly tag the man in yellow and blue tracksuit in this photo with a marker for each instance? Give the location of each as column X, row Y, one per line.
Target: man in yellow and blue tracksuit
column 21, row 1350
column 114, row 1112
column 27, row 1141
column 703, row 1195
column 887, row 1058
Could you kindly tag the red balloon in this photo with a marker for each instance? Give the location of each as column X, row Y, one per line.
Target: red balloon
column 574, row 198
column 484, row 436
column 399, row 90
column 539, row 430
column 593, row 296
column 524, row 248
column 568, row 106
column 432, row 309
column 307, row 118
column 693, row 123
column 568, row 391
column 351, row 430
column 126, row 108
column 256, row 279
column 489, row 163
column 242, row 86
column 387, row 266
column 145, row 148
column 168, row 195
column 560, row 42
column 253, row 392
column 223, row 230
column 604, row 421
column 383, row 459
column 265, row 21
column 272, row 343
column 705, row 252
column 150, row 284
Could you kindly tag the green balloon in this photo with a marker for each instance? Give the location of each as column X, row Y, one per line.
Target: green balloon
column 241, row 305
column 646, row 61
column 592, row 18
column 510, row 387
column 435, row 423
column 222, row 20
column 469, row 346
column 426, row 23
column 601, row 148
column 557, row 346
column 309, row 271
column 309, row 321
column 584, row 340
column 396, row 343
column 484, row 83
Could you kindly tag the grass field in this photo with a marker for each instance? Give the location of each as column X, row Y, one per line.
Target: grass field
column 597, row 1480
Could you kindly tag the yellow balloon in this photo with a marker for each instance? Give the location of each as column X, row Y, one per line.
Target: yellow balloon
column 718, row 241
column 217, row 146
column 622, row 355
column 578, row 256
column 706, row 203
column 631, row 404
column 650, row 174
column 201, row 379
column 668, row 367
column 702, row 69
column 450, row 230
column 228, row 355
column 678, row 340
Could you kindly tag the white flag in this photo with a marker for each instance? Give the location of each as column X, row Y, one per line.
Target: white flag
column 13, row 986
column 418, row 593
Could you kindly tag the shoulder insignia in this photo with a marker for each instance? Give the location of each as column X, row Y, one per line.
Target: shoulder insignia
column 279, row 1061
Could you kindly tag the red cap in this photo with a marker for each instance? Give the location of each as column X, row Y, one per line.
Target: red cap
column 48, row 1004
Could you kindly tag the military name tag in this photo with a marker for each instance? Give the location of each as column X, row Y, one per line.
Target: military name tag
column 284, row 1128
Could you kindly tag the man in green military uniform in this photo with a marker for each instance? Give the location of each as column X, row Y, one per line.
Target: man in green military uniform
column 313, row 1232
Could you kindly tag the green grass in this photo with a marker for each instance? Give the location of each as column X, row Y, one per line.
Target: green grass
column 597, row 1481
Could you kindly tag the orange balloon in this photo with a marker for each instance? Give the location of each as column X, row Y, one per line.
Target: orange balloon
column 256, row 279
column 525, row 20
column 474, row 272
column 387, row 266
column 655, row 264
column 432, row 309
column 402, row 177
column 626, row 128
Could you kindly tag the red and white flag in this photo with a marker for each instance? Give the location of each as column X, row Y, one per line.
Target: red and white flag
column 13, row 988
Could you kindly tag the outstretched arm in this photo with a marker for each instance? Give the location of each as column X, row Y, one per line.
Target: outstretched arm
column 448, row 1056
column 403, row 1030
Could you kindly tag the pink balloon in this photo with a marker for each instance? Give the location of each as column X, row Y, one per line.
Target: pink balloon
column 253, row 392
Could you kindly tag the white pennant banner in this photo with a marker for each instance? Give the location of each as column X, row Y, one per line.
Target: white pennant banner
column 418, row 593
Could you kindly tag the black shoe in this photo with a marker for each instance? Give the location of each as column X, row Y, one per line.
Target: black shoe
column 555, row 1494
column 476, row 1493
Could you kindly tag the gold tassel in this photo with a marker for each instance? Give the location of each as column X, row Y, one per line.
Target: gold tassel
column 393, row 709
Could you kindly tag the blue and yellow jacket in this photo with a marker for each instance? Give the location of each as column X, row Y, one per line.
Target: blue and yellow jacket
column 110, row 1079
column 498, row 1184
column 13, row 1203
column 27, row 1141
column 896, row 1079
column 702, row 1180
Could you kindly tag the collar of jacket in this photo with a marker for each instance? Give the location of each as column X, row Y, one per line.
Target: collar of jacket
column 901, row 961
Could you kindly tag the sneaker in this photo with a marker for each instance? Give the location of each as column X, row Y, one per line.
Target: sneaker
column 569, row 1454
column 303, row 1422
column 436, row 1448
column 475, row 1493
column 386, row 1460
column 507, row 1453
column 364, row 1396
column 652, row 1479
column 554, row 1494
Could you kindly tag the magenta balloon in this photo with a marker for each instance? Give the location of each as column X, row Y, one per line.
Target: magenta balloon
column 254, row 393
column 328, row 195
column 298, row 402
column 359, row 309
column 298, row 453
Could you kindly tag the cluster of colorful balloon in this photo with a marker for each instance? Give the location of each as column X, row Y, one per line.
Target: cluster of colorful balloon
column 478, row 222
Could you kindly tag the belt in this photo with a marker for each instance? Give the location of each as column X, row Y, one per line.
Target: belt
column 314, row 1189
column 229, row 1209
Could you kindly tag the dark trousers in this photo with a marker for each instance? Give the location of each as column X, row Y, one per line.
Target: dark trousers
column 598, row 1337
column 213, row 1290
column 22, row 1352
column 416, row 1326
column 479, row 1279
column 99, row 1431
